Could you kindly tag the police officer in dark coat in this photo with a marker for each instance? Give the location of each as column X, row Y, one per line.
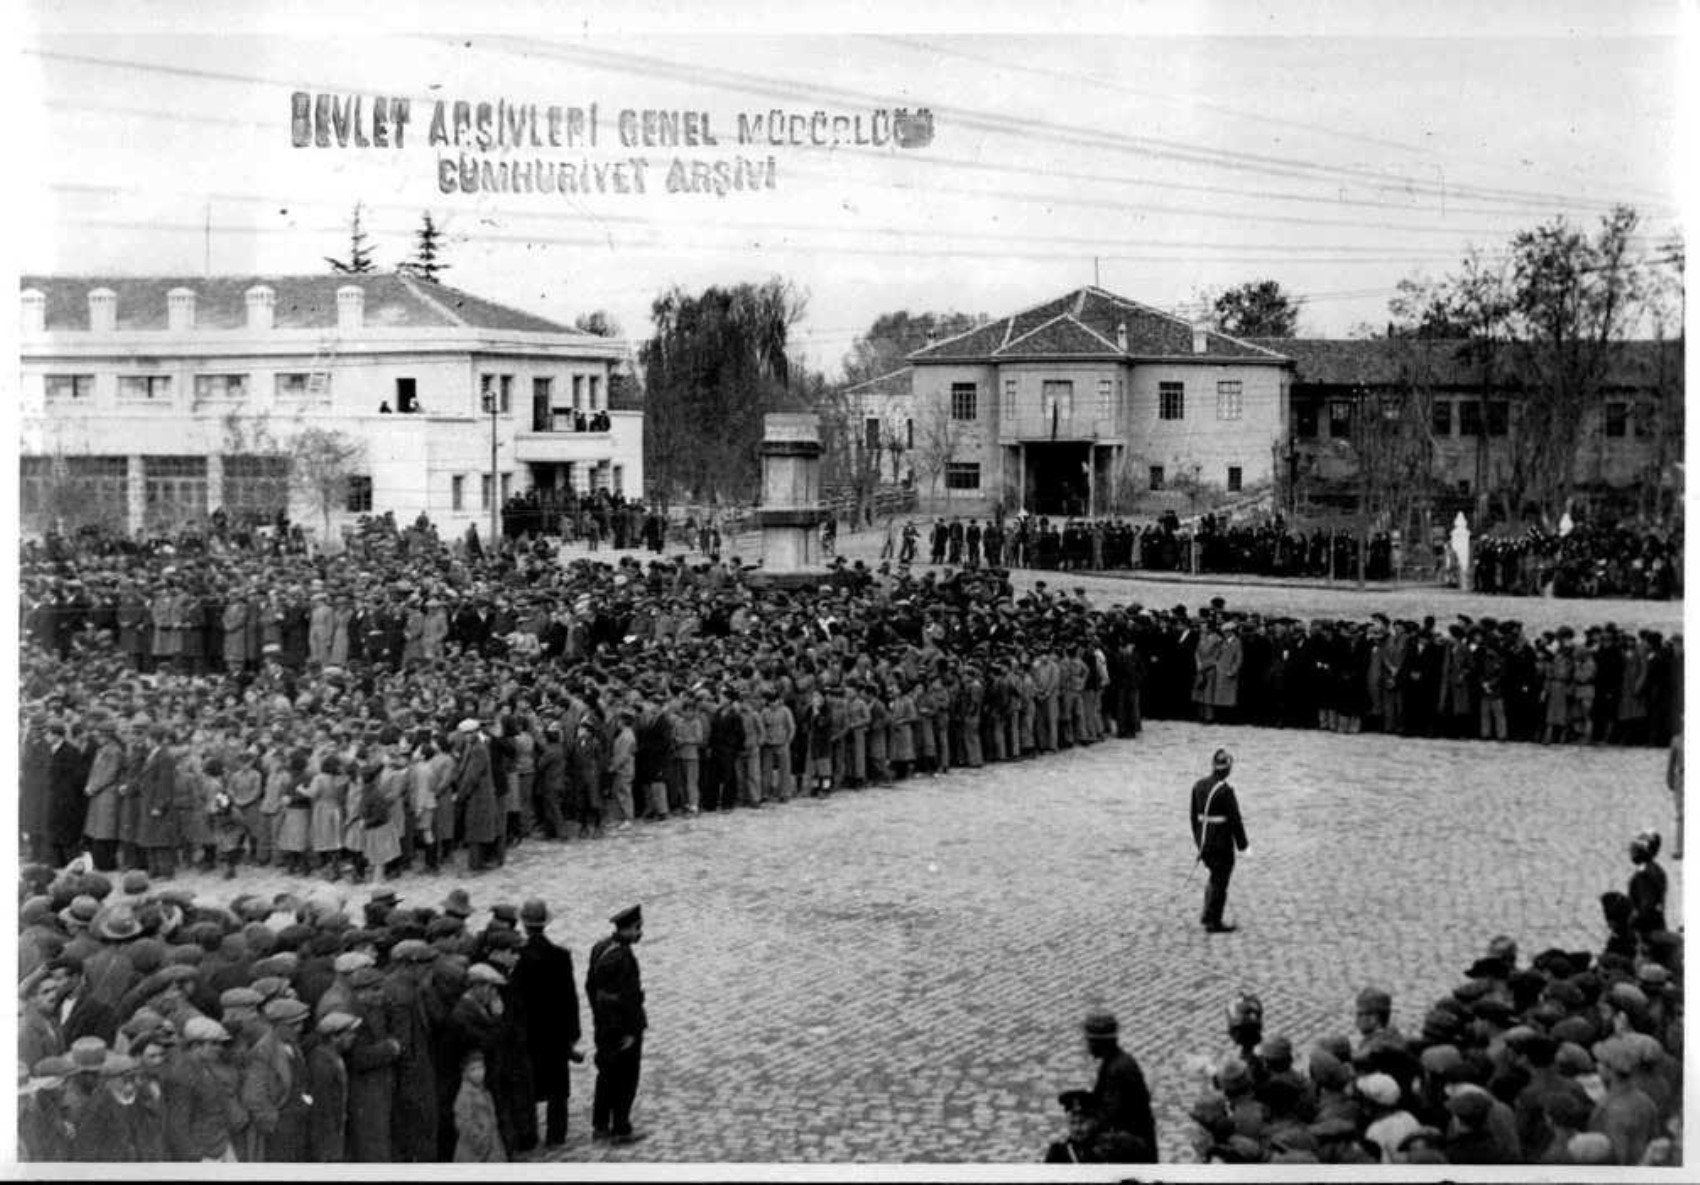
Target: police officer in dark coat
column 1217, row 833
column 616, row 1005
column 547, row 985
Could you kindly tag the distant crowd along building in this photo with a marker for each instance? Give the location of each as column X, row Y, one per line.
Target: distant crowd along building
column 151, row 402
column 1093, row 404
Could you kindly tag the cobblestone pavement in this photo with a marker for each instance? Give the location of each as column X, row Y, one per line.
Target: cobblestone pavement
column 899, row 974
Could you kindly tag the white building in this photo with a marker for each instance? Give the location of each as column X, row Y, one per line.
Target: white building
column 150, row 402
column 1092, row 401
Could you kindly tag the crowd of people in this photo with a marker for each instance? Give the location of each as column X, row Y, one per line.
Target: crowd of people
column 227, row 705
column 1569, row 1058
column 160, row 1026
column 230, row 701
column 1587, row 561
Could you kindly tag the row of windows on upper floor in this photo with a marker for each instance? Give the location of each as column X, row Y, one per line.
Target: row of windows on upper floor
column 1466, row 418
column 587, row 394
column 965, row 475
column 1056, row 398
column 247, row 482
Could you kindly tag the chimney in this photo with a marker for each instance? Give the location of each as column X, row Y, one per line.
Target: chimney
column 103, row 310
column 180, row 309
column 1200, row 338
column 1121, row 336
column 32, row 303
column 262, row 303
column 350, row 308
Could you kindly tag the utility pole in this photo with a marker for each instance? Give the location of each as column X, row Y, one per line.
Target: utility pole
column 492, row 406
column 206, row 252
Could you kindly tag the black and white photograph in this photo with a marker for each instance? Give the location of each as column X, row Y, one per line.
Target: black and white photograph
column 1090, row 592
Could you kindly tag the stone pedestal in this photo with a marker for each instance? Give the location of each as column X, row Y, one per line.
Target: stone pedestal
column 791, row 513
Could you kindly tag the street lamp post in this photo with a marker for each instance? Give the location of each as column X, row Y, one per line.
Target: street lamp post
column 492, row 406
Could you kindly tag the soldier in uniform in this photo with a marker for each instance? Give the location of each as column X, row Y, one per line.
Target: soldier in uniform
column 616, row 1005
column 1217, row 832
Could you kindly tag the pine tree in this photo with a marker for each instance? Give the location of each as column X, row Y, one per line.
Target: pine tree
column 427, row 250
column 359, row 261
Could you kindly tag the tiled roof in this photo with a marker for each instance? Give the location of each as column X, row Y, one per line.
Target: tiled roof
column 303, row 302
column 1070, row 322
column 896, row 382
column 1383, row 362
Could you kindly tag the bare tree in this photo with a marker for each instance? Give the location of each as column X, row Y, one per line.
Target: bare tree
column 322, row 463
column 937, row 439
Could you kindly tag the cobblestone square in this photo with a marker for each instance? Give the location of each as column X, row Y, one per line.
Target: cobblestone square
column 899, row 974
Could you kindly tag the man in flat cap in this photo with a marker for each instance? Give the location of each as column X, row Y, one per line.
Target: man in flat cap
column 1120, row 1099
column 1217, row 832
column 615, row 989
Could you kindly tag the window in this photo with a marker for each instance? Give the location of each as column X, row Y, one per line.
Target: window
column 964, row 401
column 35, row 486
column 256, row 486
column 221, row 386
column 1498, row 418
column 67, row 388
column 578, row 392
column 599, row 477
column 1339, row 418
column 962, row 475
column 1469, row 417
column 1171, row 401
column 484, row 491
column 1441, row 417
column 871, row 434
column 507, row 486
column 174, row 491
column 540, row 398
column 311, row 384
column 1617, row 419
column 1644, row 419
column 406, row 396
column 1156, row 477
column 595, row 383
column 620, row 479
column 1009, row 399
column 1106, row 398
column 501, row 386
column 1235, row 476
column 457, row 492
column 1304, row 420
column 1230, row 399
column 145, row 387
column 1057, row 398
column 360, row 494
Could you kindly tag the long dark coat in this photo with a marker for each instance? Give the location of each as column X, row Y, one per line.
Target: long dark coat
column 510, row 1077
column 549, row 990
column 327, row 1123
column 413, row 1119
column 475, row 791
column 67, row 775
column 371, row 1066
column 156, row 789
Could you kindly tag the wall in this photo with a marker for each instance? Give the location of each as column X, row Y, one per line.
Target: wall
column 1200, row 438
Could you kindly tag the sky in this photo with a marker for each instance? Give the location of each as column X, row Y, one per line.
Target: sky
column 1162, row 151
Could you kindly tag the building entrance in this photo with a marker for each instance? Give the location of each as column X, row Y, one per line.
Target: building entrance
column 1058, row 482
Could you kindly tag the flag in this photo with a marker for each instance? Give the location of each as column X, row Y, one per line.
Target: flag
column 1055, row 409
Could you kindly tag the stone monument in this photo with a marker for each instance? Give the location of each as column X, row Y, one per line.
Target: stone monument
column 791, row 513
column 1461, row 549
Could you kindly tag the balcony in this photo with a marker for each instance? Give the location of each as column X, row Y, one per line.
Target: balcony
column 1035, row 424
column 561, row 446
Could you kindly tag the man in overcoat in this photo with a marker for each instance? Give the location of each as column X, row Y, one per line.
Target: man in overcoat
column 549, row 988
